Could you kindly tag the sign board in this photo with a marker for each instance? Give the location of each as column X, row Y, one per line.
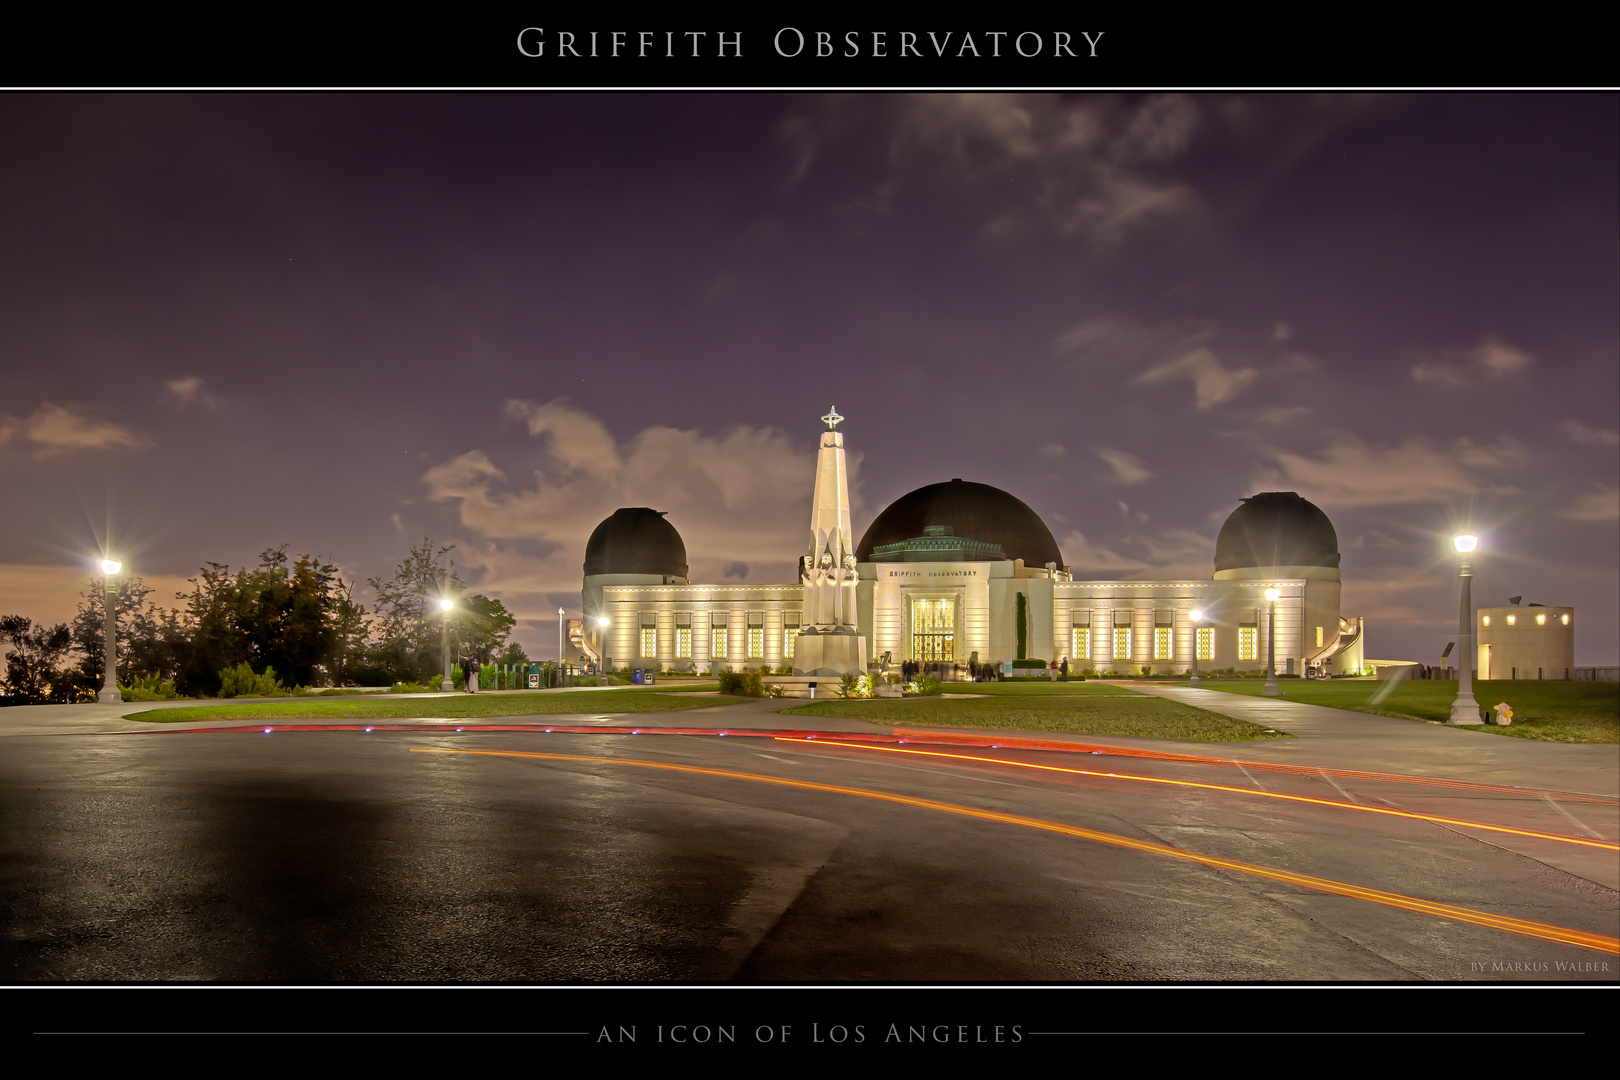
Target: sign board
column 652, row 677
column 534, row 680
column 1449, row 646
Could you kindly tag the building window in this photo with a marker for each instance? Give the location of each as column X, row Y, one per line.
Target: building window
column 1248, row 643
column 1541, row 620
column 756, row 635
column 1487, row 619
column 1318, row 637
column 933, row 630
column 1161, row 643
column 789, row 635
column 1564, row 619
column 1512, row 619
column 649, row 641
column 683, row 642
column 1122, row 642
column 718, row 641
column 1206, row 643
column 1082, row 643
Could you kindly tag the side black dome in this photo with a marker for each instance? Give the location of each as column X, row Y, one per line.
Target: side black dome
column 1276, row 528
column 635, row 540
column 976, row 511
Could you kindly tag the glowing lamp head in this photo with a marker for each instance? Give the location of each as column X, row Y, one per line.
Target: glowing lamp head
column 559, row 611
column 111, row 566
column 446, row 604
column 602, row 621
column 1465, row 543
column 1196, row 616
column 1272, row 594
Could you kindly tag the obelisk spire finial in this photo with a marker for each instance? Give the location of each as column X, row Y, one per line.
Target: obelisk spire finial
column 832, row 418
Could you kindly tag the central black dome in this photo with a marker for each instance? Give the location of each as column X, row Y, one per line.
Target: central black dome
column 976, row 511
column 1276, row 528
column 635, row 540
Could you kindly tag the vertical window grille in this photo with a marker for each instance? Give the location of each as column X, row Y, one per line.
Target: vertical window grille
column 756, row 635
column 1082, row 643
column 1318, row 637
column 1161, row 643
column 649, row 633
column 1248, row 643
column 718, row 645
column 683, row 635
column 790, row 633
column 1122, row 635
column 1206, row 643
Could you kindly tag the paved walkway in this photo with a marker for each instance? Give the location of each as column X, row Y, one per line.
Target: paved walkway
column 1324, row 737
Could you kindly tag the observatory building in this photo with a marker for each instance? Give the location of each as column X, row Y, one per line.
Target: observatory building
column 959, row 571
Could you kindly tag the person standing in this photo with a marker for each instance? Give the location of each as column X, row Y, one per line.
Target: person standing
column 469, row 674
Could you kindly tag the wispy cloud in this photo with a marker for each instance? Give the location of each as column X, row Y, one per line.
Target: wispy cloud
column 1212, row 382
column 1590, row 436
column 1127, row 468
column 188, row 391
column 1168, row 555
column 1353, row 473
column 1490, row 359
column 1603, row 504
column 54, row 429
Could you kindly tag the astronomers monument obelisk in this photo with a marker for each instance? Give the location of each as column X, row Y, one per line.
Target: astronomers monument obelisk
column 829, row 645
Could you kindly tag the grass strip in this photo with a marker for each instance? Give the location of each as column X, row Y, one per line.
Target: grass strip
column 1545, row 710
column 467, row 705
column 1136, row 715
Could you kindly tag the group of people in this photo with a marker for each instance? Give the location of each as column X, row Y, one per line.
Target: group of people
column 469, row 673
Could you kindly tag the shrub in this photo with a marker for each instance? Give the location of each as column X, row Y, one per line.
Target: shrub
column 240, row 681
column 922, row 686
column 152, row 687
column 409, row 688
column 1031, row 662
column 742, row 683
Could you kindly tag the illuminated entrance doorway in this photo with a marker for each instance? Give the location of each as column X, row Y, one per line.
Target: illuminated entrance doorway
column 933, row 630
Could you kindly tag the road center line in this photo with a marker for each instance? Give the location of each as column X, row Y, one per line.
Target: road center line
column 1581, row 938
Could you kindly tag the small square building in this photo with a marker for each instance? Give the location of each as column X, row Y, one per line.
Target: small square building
column 1534, row 642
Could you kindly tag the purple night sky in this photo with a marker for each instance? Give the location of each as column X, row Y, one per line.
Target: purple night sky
column 344, row 323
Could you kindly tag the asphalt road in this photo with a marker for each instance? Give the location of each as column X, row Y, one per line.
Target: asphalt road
column 431, row 856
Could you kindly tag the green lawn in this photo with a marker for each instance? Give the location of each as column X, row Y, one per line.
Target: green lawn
column 539, row 703
column 1089, row 713
column 1552, row 711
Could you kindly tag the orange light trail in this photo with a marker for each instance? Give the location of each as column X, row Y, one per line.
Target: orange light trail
column 1249, row 792
column 1544, row 931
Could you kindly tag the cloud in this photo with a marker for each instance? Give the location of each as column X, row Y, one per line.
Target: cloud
column 54, row 430
column 1352, row 473
column 1093, row 169
column 1602, row 504
column 738, row 570
column 1128, row 468
column 1054, row 450
column 738, row 498
column 1283, row 414
column 188, row 391
column 1170, row 555
column 1589, row 436
column 1490, row 359
column 1212, row 383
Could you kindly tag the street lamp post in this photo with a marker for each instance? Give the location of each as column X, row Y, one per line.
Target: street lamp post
column 445, row 605
column 1197, row 617
column 1465, row 710
column 109, row 688
column 562, row 651
column 1271, row 688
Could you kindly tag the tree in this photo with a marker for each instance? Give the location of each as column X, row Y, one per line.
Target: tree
column 151, row 640
column 408, row 625
column 481, row 626
column 34, row 661
column 1023, row 626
